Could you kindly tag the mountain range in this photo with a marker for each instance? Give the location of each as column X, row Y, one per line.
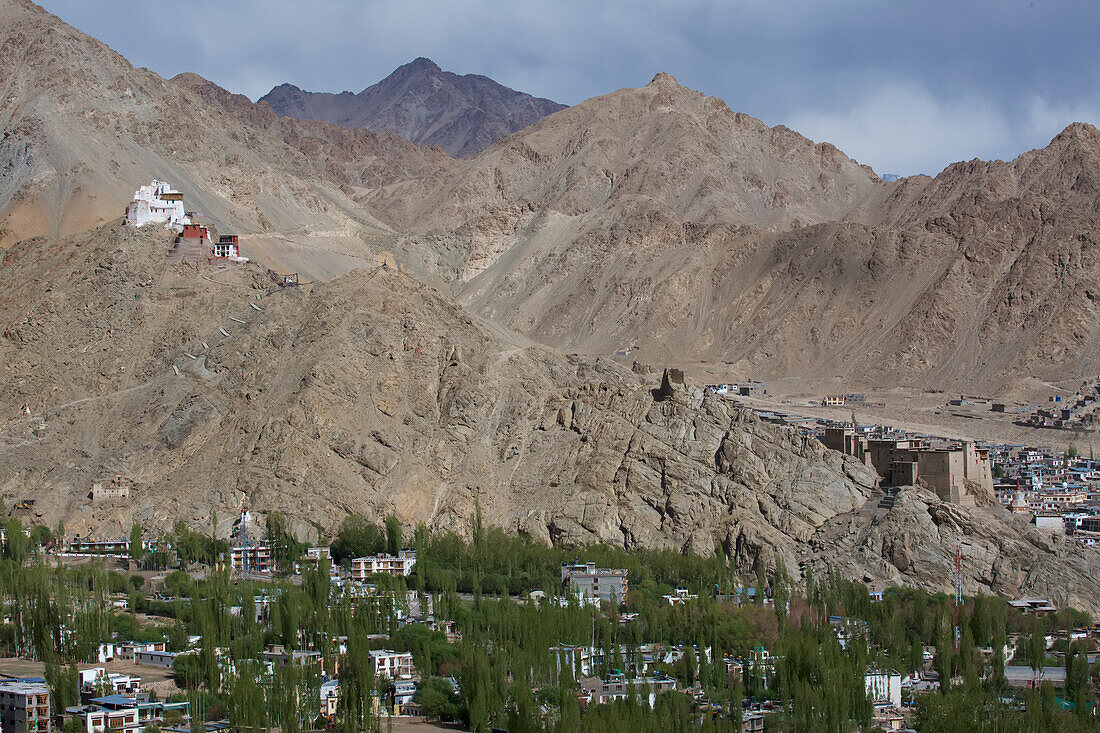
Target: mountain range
column 449, row 350
column 656, row 220
column 421, row 102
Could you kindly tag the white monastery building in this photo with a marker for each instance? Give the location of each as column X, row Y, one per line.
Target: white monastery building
column 157, row 203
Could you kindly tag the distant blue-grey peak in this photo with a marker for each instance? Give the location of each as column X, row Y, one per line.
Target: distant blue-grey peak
column 463, row 114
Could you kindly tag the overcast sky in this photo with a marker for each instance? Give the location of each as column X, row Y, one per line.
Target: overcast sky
column 905, row 86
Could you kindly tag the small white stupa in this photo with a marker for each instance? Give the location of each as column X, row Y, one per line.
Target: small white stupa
column 157, row 203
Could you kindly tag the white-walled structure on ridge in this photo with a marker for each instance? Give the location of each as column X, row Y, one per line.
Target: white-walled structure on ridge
column 157, row 203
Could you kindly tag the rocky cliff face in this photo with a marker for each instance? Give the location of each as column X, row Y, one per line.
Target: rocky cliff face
column 369, row 393
column 914, row 542
column 698, row 475
column 421, row 102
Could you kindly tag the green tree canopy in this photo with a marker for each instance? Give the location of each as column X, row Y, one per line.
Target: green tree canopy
column 357, row 537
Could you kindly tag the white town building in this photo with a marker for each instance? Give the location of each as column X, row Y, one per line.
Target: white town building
column 157, row 203
column 393, row 665
column 97, row 681
column 883, row 686
column 620, row 687
column 400, row 565
column 586, row 581
column 25, row 706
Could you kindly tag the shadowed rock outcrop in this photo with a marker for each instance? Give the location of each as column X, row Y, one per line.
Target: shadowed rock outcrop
column 914, row 543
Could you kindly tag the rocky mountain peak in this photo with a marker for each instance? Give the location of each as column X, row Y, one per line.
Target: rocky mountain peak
column 1079, row 131
column 1078, row 138
column 421, row 63
column 660, row 148
column 284, row 87
column 664, row 79
column 463, row 114
column 193, row 80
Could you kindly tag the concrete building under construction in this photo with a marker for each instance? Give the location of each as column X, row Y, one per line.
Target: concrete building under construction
column 958, row 473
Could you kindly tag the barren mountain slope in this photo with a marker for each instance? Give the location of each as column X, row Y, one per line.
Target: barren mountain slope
column 972, row 280
column 663, row 142
column 1021, row 270
column 421, row 102
column 364, row 393
column 371, row 393
column 82, row 129
column 872, row 305
column 650, row 219
column 358, row 158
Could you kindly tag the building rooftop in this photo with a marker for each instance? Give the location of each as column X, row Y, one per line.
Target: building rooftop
column 115, row 701
column 26, row 685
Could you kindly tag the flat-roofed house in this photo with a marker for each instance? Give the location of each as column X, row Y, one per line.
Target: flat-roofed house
column 25, row 706
column 588, row 582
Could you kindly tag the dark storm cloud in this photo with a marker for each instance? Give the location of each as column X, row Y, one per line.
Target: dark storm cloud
column 904, row 86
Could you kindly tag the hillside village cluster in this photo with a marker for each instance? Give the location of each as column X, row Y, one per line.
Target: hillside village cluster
column 129, row 685
column 114, row 695
column 1078, row 411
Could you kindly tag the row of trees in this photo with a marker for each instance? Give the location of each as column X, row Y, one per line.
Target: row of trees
column 508, row 669
column 496, row 563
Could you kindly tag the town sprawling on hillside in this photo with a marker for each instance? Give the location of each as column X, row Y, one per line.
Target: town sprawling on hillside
column 443, row 406
column 183, row 632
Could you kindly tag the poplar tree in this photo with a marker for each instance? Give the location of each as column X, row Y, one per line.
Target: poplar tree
column 283, row 694
column 570, row 711
column 247, row 706
column 15, row 542
column 966, row 660
column 476, row 687
column 999, row 640
column 944, row 653
column 523, row 713
column 1037, row 648
column 781, row 591
column 393, row 534
column 356, row 709
column 137, row 552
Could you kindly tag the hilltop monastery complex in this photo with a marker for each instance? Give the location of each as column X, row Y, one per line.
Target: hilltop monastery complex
column 159, row 203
